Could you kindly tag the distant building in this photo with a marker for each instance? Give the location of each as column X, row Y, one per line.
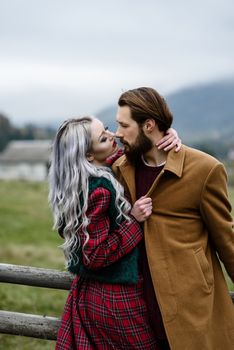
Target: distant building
column 25, row 160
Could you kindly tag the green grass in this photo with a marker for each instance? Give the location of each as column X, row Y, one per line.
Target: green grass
column 27, row 238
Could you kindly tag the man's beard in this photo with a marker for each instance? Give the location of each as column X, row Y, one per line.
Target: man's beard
column 141, row 146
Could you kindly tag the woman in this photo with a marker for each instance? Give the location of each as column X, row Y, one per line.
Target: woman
column 105, row 307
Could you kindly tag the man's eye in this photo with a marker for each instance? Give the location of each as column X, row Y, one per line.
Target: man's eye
column 103, row 139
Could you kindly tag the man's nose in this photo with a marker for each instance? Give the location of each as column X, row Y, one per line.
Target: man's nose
column 117, row 133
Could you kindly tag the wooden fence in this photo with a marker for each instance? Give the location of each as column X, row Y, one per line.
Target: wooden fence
column 43, row 327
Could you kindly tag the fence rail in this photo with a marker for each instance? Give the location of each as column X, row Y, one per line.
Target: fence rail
column 42, row 327
column 16, row 323
column 35, row 326
column 34, row 276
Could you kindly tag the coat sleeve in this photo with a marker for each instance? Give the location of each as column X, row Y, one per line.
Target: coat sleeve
column 216, row 212
column 105, row 246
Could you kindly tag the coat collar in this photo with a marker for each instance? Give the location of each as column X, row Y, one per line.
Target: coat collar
column 174, row 164
column 175, row 161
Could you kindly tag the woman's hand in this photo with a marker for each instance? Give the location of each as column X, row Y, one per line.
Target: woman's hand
column 169, row 141
column 142, row 209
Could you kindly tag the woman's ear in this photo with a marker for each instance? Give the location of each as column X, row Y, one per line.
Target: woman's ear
column 89, row 157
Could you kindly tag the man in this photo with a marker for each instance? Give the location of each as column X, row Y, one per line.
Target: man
column 188, row 301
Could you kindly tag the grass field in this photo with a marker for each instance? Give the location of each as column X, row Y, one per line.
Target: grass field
column 26, row 238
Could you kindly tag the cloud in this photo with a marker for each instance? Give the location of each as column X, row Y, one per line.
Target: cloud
column 90, row 51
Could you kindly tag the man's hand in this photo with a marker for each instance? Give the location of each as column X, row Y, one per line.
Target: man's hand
column 169, row 141
column 142, row 208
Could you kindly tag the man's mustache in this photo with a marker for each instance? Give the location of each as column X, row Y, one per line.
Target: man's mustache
column 123, row 142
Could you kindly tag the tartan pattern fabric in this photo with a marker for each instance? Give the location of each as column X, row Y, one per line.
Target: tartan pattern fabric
column 114, row 157
column 105, row 247
column 125, row 270
column 98, row 315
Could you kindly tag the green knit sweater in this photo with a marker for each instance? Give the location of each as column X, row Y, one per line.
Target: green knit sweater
column 125, row 270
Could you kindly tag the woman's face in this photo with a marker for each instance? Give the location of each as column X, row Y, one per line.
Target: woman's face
column 103, row 143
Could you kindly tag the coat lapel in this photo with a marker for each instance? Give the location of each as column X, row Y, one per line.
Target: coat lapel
column 174, row 164
column 128, row 174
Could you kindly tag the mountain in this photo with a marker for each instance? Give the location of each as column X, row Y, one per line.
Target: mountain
column 201, row 113
column 204, row 111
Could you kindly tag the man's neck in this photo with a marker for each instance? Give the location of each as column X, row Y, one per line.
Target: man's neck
column 155, row 157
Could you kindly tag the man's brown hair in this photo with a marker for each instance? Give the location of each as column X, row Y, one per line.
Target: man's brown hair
column 145, row 103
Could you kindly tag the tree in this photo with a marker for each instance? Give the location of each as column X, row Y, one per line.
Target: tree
column 5, row 131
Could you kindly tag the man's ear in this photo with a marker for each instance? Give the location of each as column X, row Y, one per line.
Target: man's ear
column 149, row 125
column 89, row 157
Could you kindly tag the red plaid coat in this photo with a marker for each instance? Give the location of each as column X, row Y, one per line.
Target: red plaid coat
column 102, row 316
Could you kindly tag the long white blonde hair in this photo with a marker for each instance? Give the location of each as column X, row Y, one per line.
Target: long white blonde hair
column 69, row 183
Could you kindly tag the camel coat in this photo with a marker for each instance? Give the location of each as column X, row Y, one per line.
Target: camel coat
column 190, row 225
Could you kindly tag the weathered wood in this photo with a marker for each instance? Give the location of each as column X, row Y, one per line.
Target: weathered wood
column 35, row 326
column 42, row 327
column 32, row 276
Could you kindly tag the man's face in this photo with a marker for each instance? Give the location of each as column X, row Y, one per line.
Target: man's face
column 131, row 136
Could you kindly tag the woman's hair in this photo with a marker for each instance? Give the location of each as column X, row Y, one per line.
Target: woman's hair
column 145, row 103
column 69, row 183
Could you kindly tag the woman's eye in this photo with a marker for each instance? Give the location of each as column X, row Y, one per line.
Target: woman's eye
column 103, row 139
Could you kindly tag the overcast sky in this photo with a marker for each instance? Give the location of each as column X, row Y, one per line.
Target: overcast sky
column 65, row 58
